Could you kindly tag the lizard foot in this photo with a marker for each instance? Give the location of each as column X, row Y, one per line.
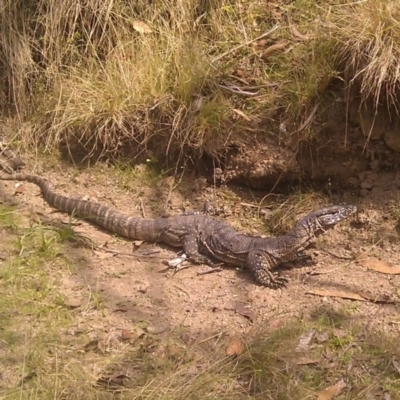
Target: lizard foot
column 270, row 279
column 278, row 282
column 176, row 262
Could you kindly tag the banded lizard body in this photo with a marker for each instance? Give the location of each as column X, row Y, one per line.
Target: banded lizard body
column 204, row 238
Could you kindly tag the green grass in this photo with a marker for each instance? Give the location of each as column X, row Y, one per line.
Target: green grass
column 50, row 349
column 123, row 78
column 83, row 73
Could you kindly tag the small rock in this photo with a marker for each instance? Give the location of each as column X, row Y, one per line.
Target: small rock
column 142, row 289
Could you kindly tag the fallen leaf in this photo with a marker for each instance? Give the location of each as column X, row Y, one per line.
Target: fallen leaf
column 235, row 346
column 305, row 340
column 306, row 361
column 362, row 296
column 336, row 293
column 339, row 333
column 140, row 26
column 384, row 267
column 332, row 391
column 120, row 309
column 242, row 114
column 112, row 380
column 127, row 335
column 396, row 364
column 244, row 311
column 94, row 345
column 272, row 49
column 299, row 35
column 157, row 328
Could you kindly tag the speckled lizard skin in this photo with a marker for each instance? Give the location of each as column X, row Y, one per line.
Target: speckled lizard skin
column 205, row 239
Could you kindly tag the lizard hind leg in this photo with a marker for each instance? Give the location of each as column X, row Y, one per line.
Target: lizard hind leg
column 261, row 266
column 190, row 253
column 191, row 249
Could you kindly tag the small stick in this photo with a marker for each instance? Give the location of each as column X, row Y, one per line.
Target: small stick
column 245, row 44
column 142, row 208
column 209, row 271
column 183, row 290
column 307, row 121
column 136, row 255
column 237, row 90
column 328, row 271
column 339, row 257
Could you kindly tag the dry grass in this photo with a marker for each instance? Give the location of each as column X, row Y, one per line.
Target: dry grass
column 122, row 77
column 88, row 72
column 112, row 73
column 52, row 349
column 366, row 36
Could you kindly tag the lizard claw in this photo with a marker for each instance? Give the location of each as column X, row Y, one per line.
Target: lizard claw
column 270, row 279
column 277, row 282
column 176, row 262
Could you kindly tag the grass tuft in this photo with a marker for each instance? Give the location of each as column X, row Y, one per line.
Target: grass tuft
column 141, row 78
column 367, row 46
column 53, row 347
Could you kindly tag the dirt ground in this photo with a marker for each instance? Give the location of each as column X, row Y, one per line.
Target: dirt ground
column 137, row 287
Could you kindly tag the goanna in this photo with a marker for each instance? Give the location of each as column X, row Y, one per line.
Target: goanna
column 205, row 239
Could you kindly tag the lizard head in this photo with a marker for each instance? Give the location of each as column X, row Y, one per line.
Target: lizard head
column 328, row 217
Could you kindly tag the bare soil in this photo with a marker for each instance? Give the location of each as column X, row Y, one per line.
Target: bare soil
column 137, row 288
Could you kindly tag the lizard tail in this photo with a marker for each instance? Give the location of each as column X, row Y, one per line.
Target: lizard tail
column 112, row 220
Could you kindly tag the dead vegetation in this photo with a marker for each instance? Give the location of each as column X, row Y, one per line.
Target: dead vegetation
column 71, row 341
column 150, row 80
column 367, row 46
column 65, row 346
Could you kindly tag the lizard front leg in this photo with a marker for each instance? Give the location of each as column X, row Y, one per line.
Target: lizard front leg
column 260, row 264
